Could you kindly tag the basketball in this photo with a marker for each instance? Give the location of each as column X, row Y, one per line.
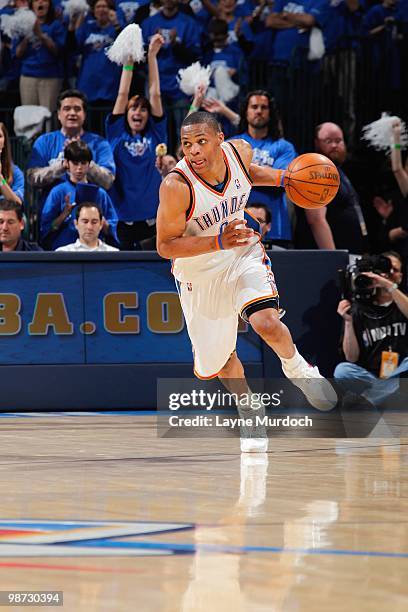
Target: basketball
column 311, row 180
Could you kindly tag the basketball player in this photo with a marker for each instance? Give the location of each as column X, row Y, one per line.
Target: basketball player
column 221, row 269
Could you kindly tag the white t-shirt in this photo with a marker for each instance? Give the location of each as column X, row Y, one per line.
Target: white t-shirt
column 80, row 246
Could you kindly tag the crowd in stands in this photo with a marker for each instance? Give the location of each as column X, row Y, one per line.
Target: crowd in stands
column 62, row 65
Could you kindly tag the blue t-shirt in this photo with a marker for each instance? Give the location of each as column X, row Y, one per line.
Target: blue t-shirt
column 245, row 30
column 98, row 77
column 18, row 183
column 344, row 27
column 275, row 154
column 229, row 57
column 49, row 148
column 126, row 10
column 188, row 34
column 289, row 39
column 55, row 204
column 38, row 61
column 135, row 192
column 200, row 12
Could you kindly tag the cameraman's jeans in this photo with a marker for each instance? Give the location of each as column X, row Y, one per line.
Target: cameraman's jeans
column 364, row 383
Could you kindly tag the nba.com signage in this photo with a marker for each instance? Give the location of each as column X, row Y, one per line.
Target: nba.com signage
column 164, row 315
column 67, row 311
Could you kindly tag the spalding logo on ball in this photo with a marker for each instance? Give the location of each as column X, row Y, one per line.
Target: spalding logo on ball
column 311, row 180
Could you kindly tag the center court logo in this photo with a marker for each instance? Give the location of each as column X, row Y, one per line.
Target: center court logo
column 33, row 538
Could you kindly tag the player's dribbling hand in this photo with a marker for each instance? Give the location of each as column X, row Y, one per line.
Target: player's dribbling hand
column 343, row 310
column 236, row 234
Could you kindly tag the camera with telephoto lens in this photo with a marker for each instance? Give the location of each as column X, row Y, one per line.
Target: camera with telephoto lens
column 356, row 286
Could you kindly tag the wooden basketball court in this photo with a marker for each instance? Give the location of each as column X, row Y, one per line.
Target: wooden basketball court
column 99, row 507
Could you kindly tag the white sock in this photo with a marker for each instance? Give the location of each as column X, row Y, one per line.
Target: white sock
column 291, row 364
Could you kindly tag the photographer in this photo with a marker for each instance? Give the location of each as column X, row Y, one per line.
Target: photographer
column 375, row 341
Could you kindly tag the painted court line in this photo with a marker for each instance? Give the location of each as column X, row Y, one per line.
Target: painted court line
column 193, row 548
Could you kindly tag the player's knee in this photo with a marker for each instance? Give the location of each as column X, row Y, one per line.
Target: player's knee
column 266, row 324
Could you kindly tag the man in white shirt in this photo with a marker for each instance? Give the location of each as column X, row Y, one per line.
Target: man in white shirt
column 88, row 222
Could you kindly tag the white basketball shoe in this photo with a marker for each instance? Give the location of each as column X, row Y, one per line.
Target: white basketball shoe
column 253, row 437
column 317, row 390
column 254, row 445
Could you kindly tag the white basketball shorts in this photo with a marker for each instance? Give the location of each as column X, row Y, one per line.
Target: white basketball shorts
column 211, row 308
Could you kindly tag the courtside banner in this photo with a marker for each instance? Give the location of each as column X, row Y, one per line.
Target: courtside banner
column 80, row 311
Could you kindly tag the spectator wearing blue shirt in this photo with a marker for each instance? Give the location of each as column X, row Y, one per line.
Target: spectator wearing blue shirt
column 181, row 47
column 222, row 54
column 261, row 127
column 134, row 129
column 46, row 166
column 11, row 177
column 9, row 64
column 293, row 22
column 263, row 36
column 239, row 32
column 57, row 224
column 126, row 10
column 41, row 57
column 98, row 77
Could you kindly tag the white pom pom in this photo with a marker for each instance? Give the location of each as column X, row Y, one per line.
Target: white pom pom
column 225, row 86
column 75, row 7
column 129, row 44
column 379, row 133
column 21, row 23
column 193, row 76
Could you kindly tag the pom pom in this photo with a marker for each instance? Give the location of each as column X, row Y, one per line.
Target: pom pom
column 224, row 85
column 193, row 76
column 19, row 24
column 129, row 44
column 379, row 133
column 75, row 7
column 161, row 149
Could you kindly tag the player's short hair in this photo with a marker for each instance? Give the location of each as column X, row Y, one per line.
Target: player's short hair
column 78, row 151
column 72, row 93
column 258, row 205
column 88, row 205
column 202, row 117
column 7, row 205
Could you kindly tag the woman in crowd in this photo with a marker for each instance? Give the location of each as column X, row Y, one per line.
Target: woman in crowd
column 11, row 177
column 134, row 129
column 41, row 57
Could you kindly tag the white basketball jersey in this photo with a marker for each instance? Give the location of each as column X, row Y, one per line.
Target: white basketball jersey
column 210, row 213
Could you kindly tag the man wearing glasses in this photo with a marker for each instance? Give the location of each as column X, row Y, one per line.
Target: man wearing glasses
column 340, row 225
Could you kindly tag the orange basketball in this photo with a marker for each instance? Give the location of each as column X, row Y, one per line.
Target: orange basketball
column 311, row 180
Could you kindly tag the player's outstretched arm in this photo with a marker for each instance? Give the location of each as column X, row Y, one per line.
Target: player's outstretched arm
column 262, row 176
column 171, row 225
